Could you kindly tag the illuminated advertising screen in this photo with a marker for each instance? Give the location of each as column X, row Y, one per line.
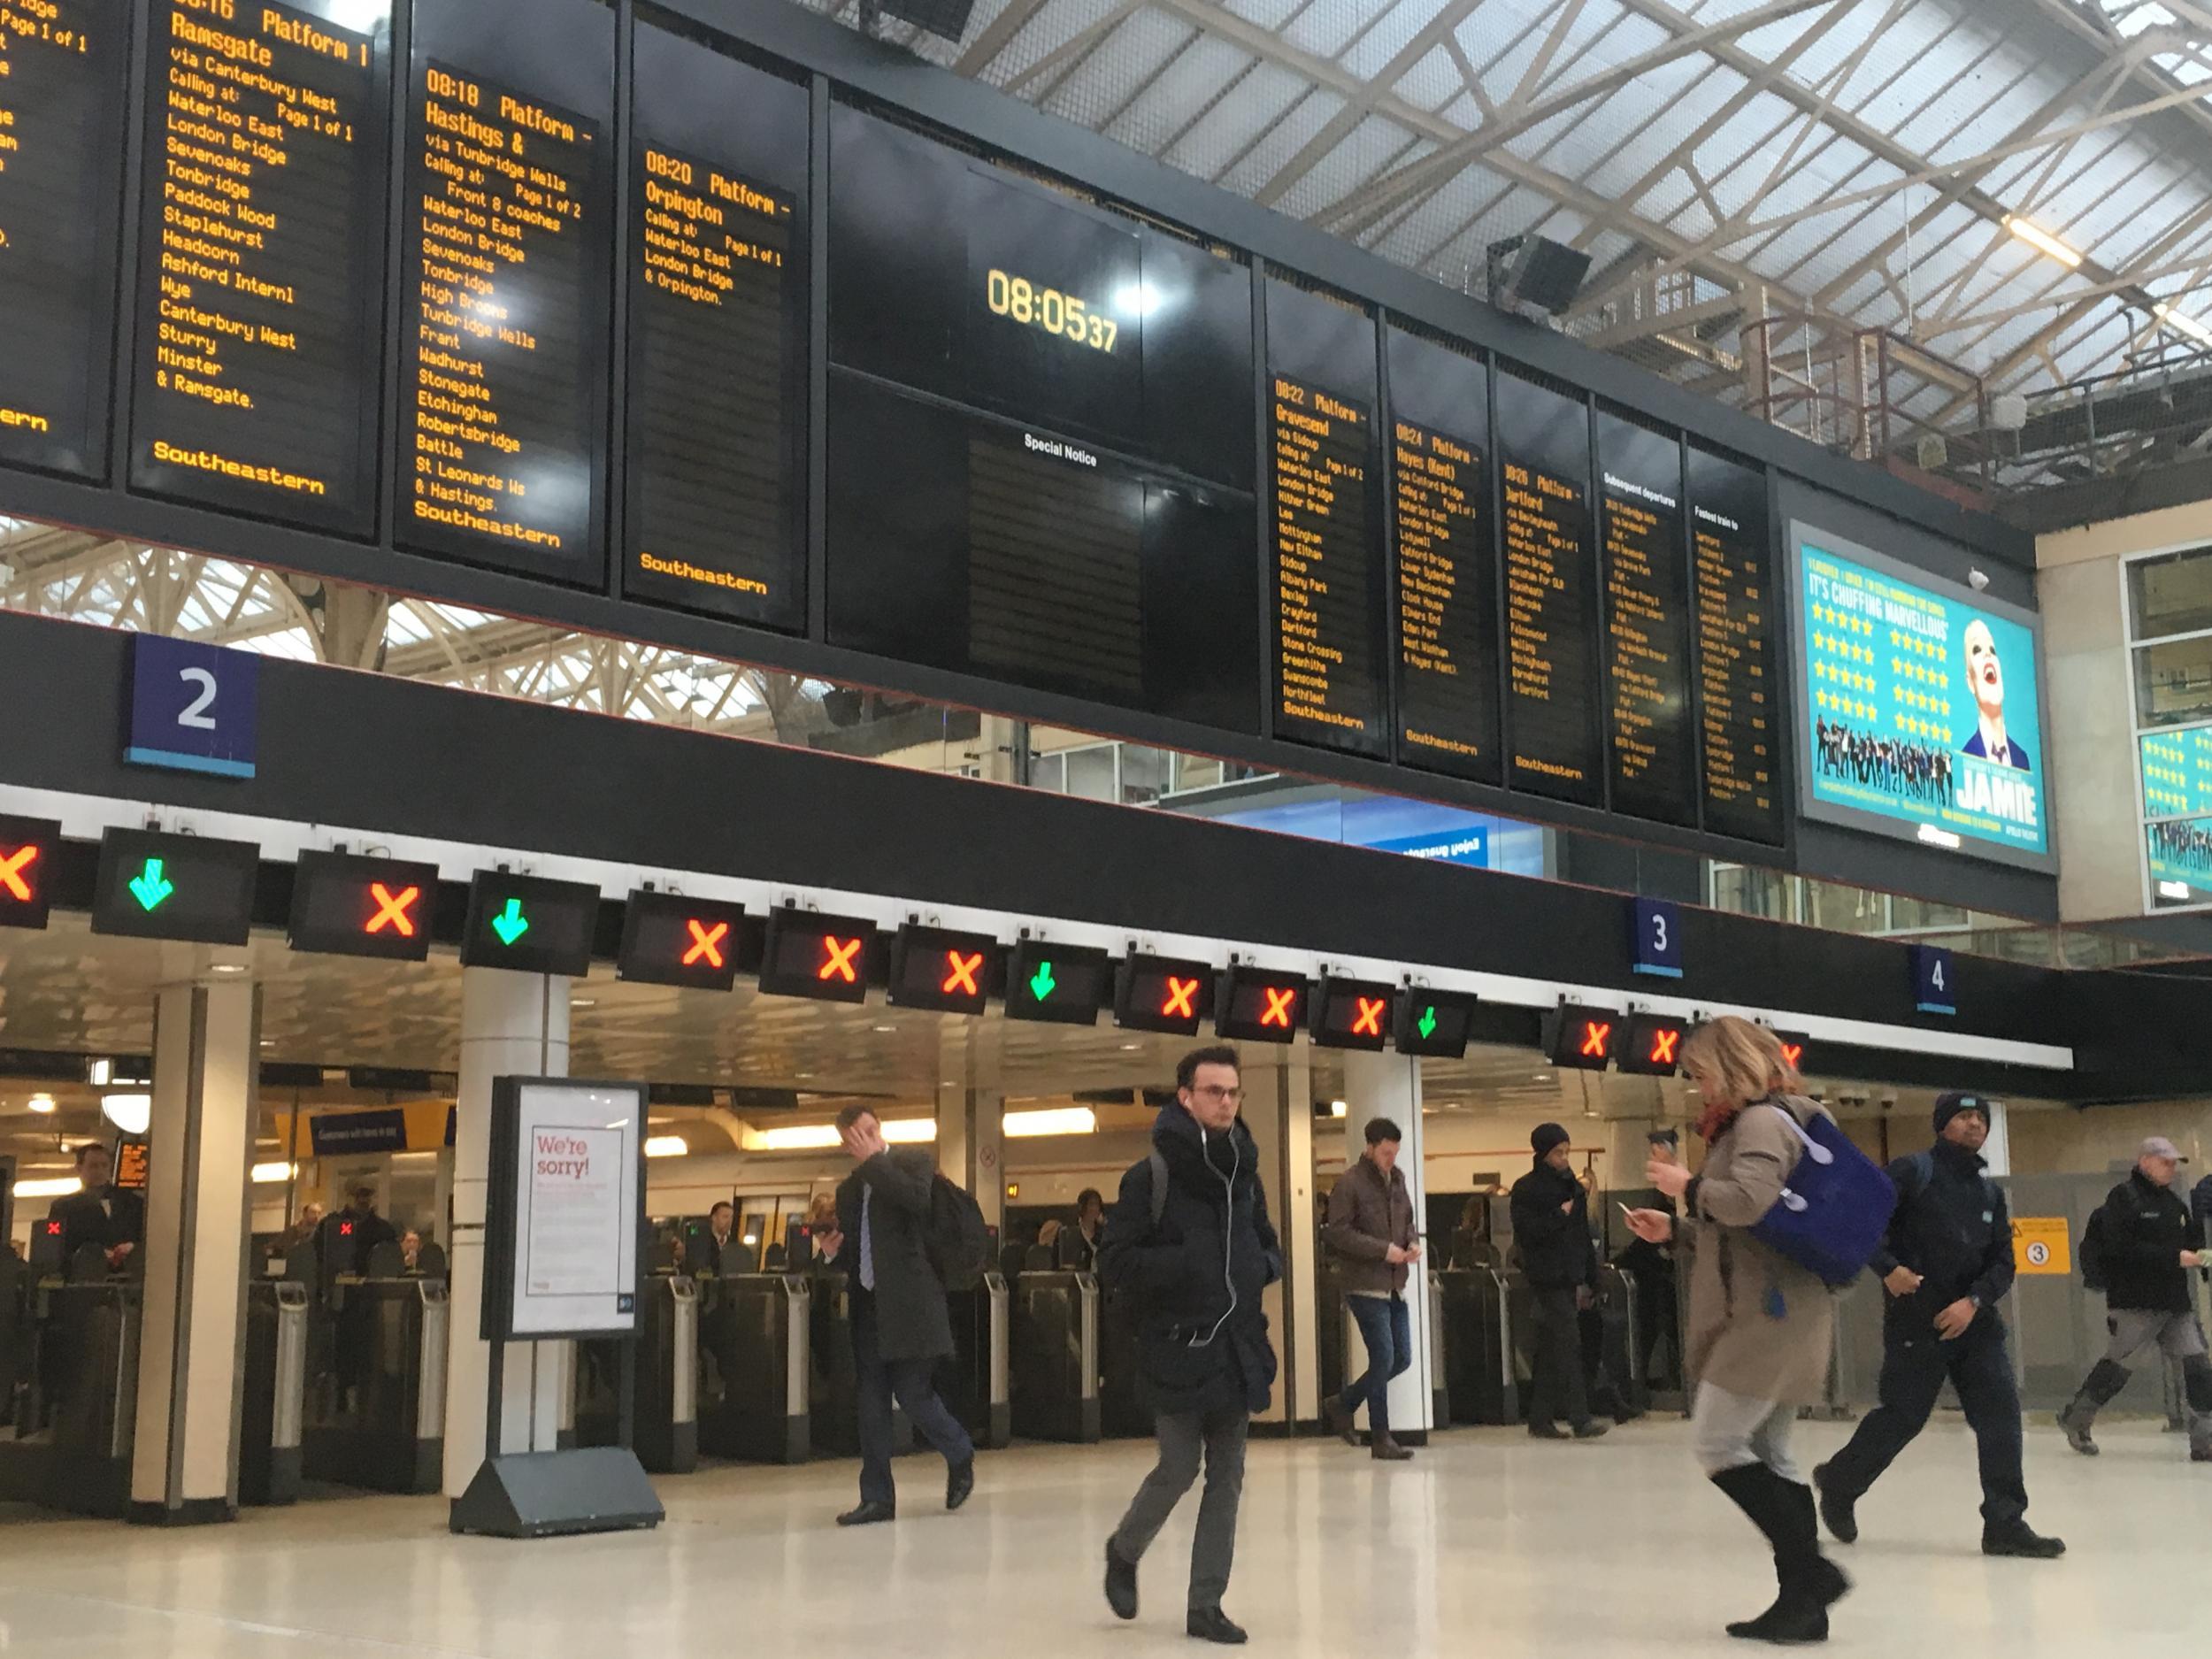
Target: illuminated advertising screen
column 1919, row 703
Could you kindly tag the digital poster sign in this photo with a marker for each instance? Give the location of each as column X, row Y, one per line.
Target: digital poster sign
column 2176, row 778
column 1920, row 704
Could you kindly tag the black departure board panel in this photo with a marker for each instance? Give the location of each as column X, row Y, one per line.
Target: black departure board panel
column 260, row 302
column 1646, row 639
column 973, row 544
column 62, row 65
column 1325, row 522
column 1551, row 598
column 1736, row 615
column 504, row 285
column 1444, row 559
column 717, row 393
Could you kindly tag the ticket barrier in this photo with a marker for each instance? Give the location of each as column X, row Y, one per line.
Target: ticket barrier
column 979, row 1386
column 1620, row 1356
column 1055, row 1327
column 664, row 1426
column 1481, row 1382
column 376, row 1390
column 1123, row 1414
column 273, row 1393
column 756, row 1366
column 72, row 1350
column 1439, row 1365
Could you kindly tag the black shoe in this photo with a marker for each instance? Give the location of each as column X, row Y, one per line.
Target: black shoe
column 1546, row 1432
column 2077, row 1432
column 959, row 1483
column 1385, row 1450
column 1839, row 1512
column 871, row 1511
column 1800, row 1614
column 2200, row 1454
column 1121, row 1583
column 1213, row 1625
column 1593, row 1430
column 2021, row 1540
column 1341, row 1423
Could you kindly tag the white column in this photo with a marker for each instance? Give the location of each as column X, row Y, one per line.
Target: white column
column 1279, row 1111
column 512, row 1024
column 192, row 1333
column 1390, row 1086
column 1997, row 1150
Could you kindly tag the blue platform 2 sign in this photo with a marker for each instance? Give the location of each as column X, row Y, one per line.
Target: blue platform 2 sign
column 1934, row 980
column 192, row 707
column 1655, row 937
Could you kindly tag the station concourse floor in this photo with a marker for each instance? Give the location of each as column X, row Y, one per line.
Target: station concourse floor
column 1488, row 1544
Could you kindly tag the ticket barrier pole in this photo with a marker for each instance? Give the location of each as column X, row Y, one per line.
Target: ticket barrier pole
column 756, row 1332
column 665, row 1433
column 1055, row 1368
column 273, row 1395
column 1439, row 1365
column 1480, row 1379
column 76, row 1415
column 376, row 1416
column 981, row 1392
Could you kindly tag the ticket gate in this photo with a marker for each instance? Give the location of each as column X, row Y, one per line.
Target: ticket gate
column 755, row 1367
column 664, row 1423
column 66, row 1443
column 376, row 1392
column 1481, row 1383
column 1054, row 1334
column 979, row 1386
column 273, row 1393
column 1123, row 1414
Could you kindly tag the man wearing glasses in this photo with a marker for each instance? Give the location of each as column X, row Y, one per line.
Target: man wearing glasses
column 1190, row 1243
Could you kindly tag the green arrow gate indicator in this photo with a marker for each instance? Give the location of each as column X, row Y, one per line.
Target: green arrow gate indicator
column 510, row 924
column 1428, row 1022
column 150, row 888
column 1042, row 984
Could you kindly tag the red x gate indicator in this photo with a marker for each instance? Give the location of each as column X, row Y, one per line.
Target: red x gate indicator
column 829, row 958
column 1581, row 1037
column 1260, row 1005
column 1651, row 1046
column 1182, row 1002
column 1353, row 1013
column 1164, row 994
column 1793, row 1048
column 943, row 969
column 668, row 939
column 840, row 959
column 27, row 867
column 395, row 911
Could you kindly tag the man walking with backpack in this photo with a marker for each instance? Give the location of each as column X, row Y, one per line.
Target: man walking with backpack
column 1191, row 1243
column 1947, row 1264
column 2146, row 1244
column 901, row 1328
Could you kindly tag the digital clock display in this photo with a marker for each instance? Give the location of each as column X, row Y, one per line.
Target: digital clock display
column 1017, row 299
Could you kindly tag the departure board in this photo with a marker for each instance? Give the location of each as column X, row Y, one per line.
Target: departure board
column 717, row 383
column 1325, row 522
column 1646, row 640
column 260, row 302
column 1444, row 559
column 1551, row 601
column 61, row 168
column 504, row 299
column 1736, row 613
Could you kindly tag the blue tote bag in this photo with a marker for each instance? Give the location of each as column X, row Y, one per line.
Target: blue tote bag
column 1835, row 1209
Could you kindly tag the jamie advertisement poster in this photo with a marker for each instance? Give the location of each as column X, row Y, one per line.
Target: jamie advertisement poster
column 1922, row 704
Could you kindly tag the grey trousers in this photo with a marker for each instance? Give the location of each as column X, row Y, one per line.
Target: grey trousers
column 1220, row 1435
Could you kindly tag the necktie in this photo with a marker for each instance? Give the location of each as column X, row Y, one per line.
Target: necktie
column 867, row 1242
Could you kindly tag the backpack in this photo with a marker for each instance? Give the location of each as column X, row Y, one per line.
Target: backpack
column 958, row 1242
column 2089, row 1253
column 1835, row 1210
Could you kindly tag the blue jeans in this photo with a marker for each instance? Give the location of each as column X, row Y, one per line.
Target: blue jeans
column 1387, row 1327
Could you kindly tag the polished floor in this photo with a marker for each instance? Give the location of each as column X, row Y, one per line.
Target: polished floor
column 1488, row 1545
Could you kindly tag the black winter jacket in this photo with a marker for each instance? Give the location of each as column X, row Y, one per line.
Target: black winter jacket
column 1555, row 1248
column 1197, row 1277
column 1953, row 1227
column 2147, row 1227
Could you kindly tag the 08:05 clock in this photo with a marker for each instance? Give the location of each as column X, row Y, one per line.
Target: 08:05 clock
column 1079, row 321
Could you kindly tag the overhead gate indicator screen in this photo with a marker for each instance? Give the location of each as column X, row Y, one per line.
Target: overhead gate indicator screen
column 536, row 285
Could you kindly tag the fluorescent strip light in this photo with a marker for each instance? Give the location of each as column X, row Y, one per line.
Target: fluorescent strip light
column 2183, row 323
column 271, row 1174
column 41, row 1104
column 666, row 1146
column 2042, row 241
column 60, row 1188
column 821, row 1137
column 1059, row 1120
column 909, row 1132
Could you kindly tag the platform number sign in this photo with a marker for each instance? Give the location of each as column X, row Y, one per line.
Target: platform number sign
column 1655, row 940
column 1934, row 980
column 193, row 707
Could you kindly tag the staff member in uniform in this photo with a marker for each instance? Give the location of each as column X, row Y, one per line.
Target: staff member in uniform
column 2150, row 1245
column 1946, row 1264
column 102, row 1215
column 1370, row 1229
column 721, row 1222
column 1551, row 1229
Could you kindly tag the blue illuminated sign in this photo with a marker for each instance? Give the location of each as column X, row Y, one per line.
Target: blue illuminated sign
column 1469, row 846
column 192, row 706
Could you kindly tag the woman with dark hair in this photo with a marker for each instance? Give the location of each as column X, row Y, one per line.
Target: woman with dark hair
column 1760, row 1327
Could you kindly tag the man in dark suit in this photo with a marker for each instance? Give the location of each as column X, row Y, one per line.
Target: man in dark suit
column 901, row 1326
column 102, row 1215
column 721, row 1222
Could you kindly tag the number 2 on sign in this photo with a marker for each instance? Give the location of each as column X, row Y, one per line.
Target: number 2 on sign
column 196, row 716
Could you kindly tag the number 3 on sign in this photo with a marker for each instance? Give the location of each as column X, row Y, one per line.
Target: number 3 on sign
column 1656, row 939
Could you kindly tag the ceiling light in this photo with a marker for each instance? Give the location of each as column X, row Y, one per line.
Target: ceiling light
column 228, row 967
column 911, row 1132
column 2181, row 320
column 2041, row 240
column 1339, row 1109
column 130, row 1113
column 1060, row 1120
column 793, row 1138
column 58, row 1188
column 583, row 1002
column 666, row 1146
column 41, row 1104
column 885, row 1030
column 1131, row 1048
column 270, row 1174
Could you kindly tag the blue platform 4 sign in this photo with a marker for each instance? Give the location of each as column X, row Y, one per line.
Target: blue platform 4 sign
column 193, row 707
column 1934, row 980
column 1655, row 937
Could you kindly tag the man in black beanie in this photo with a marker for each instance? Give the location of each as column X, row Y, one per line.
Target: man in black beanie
column 1551, row 1230
column 1945, row 1265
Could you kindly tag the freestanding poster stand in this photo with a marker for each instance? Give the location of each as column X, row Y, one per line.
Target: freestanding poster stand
column 564, row 1219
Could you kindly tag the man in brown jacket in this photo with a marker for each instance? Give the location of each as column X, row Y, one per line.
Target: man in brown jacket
column 1370, row 1229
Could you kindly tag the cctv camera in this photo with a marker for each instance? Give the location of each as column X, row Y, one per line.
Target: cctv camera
column 1978, row 580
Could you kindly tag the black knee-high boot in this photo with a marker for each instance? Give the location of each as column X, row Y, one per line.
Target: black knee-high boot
column 2196, row 1382
column 1808, row 1583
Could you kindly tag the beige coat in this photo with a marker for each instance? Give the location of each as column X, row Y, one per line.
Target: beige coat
column 1759, row 1325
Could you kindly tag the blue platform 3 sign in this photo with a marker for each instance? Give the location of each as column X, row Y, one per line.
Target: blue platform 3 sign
column 192, row 706
column 1934, row 980
column 1655, row 937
